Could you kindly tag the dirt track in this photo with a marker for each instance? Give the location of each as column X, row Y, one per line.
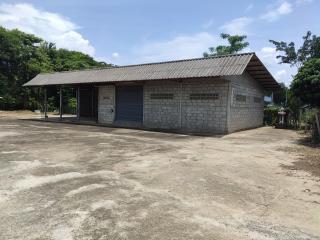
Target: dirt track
column 60, row 181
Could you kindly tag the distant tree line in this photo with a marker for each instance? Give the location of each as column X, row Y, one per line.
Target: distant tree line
column 23, row 56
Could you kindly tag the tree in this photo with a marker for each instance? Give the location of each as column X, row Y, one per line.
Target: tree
column 20, row 60
column 236, row 44
column 294, row 104
column 306, row 84
column 305, row 88
column 65, row 60
column 280, row 96
column 309, row 49
column 23, row 56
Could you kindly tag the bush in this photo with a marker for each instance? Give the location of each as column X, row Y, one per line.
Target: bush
column 271, row 115
column 51, row 104
column 72, row 105
column 8, row 102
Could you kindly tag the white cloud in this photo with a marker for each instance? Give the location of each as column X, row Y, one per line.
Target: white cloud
column 237, row 25
column 268, row 55
column 281, row 72
column 114, row 58
column 115, row 55
column 275, row 13
column 103, row 59
column 180, row 47
column 208, row 24
column 302, row 2
column 249, row 8
column 49, row 26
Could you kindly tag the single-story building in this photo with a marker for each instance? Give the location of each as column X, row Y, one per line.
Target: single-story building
column 219, row 94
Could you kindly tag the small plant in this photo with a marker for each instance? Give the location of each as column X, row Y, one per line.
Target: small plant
column 51, row 104
column 72, row 105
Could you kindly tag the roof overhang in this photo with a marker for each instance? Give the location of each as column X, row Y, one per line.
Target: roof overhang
column 261, row 74
column 214, row 67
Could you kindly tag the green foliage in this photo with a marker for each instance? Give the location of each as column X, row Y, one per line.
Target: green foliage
column 305, row 88
column 309, row 117
column 19, row 60
column 72, row 105
column 23, row 56
column 51, row 105
column 65, row 60
column 236, row 44
column 280, row 96
column 294, row 105
column 306, row 84
column 309, row 49
column 271, row 115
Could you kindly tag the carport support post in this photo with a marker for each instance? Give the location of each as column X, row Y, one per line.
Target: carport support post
column 45, row 107
column 180, row 104
column 60, row 106
column 92, row 99
column 78, row 103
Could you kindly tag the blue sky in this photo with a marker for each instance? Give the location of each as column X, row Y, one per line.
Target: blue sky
column 127, row 32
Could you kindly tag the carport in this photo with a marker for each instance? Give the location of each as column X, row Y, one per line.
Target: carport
column 129, row 103
column 87, row 102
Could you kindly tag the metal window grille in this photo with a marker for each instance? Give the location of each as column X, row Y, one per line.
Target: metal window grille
column 241, row 98
column 161, row 96
column 204, row 96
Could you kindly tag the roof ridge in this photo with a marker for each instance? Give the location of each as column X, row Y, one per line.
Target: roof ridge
column 155, row 63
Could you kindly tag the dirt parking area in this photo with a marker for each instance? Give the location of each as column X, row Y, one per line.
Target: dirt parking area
column 63, row 181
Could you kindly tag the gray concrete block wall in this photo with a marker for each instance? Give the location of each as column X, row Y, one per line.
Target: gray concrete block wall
column 205, row 115
column 196, row 115
column 248, row 114
column 106, row 104
column 161, row 113
column 221, row 115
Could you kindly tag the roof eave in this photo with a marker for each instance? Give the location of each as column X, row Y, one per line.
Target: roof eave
column 261, row 73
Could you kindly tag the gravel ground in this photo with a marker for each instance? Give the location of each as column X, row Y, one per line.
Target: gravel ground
column 63, row 181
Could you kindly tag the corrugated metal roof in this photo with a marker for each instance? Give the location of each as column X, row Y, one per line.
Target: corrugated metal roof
column 226, row 65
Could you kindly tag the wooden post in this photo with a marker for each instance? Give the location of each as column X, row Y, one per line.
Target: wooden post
column 45, row 103
column 60, row 106
column 92, row 104
column 38, row 99
column 78, row 103
column 317, row 121
column 180, row 103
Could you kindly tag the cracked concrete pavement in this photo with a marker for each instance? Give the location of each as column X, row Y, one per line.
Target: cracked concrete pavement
column 62, row 181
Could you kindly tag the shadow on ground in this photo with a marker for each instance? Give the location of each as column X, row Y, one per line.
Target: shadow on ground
column 308, row 156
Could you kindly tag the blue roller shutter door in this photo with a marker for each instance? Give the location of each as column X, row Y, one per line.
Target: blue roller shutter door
column 129, row 103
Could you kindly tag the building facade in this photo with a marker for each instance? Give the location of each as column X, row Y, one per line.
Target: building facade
column 197, row 105
column 216, row 95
